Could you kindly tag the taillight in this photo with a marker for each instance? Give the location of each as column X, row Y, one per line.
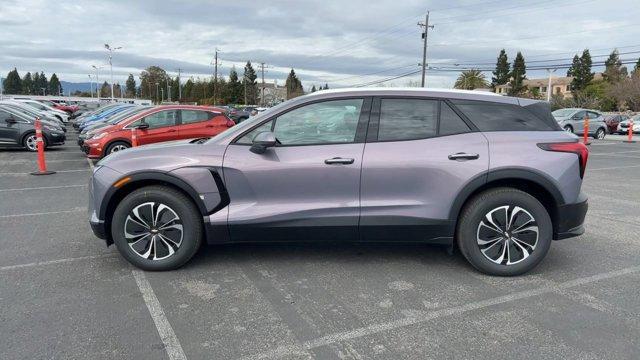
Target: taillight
column 577, row 148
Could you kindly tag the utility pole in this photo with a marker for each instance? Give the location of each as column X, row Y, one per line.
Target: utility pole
column 215, row 76
column 168, row 90
column 425, row 34
column 262, row 66
column 157, row 91
column 549, row 71
column 179, row 86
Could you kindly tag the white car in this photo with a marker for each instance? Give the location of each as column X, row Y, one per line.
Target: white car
column 58, row 114
column 623, row 126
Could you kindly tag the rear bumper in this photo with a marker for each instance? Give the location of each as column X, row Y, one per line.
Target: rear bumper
column 570, row 220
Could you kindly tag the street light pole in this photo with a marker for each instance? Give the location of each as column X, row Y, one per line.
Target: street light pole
column 111, row 50
column 157, row 91
column 549, row 84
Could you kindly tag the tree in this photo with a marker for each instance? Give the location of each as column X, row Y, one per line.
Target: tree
column 250, row 84
column 54, row 85
column 186, row 91
column 502, row 72
column 313, row 88
column 12, row 84
column 636, row 69
column 627, row 93
column 293, row 85
column 27, row 84
column 580, row 70
column 105, row 90
column 326, row 86
column 149, row 78
column 518, row 75
column 130, row 86
column 234, row 89
column 614, row 71
column 471, row 79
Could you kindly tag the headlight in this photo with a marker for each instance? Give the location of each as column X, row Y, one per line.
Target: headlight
column 99, row 136
column 51, row 128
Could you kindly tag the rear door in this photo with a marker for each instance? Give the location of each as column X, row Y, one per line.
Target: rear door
column 162, row 127
column 419, row 155
column 308, row 186
column 201, row 123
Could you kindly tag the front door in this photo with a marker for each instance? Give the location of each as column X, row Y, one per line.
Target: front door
column 8, row 131
column 308, row 186
column 162, row 127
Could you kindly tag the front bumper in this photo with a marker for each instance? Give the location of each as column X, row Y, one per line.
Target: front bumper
column 56, row 139
column 570, row 220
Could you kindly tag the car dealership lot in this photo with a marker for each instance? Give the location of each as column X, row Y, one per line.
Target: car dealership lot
column 63, row 294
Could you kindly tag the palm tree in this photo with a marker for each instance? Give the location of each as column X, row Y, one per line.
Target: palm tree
column 471, row 79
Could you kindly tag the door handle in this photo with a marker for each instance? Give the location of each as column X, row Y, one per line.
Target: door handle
column 463, row 156
column 339, row 160
column 171, row 130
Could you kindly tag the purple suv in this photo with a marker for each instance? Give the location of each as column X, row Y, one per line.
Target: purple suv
column 495, row 176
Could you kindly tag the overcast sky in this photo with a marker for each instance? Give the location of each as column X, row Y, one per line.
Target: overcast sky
column 336, row 42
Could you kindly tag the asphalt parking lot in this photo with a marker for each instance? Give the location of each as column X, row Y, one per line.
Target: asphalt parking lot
column 64, row 295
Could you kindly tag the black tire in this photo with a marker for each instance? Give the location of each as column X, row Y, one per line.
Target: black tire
column 568, row 128
column 189, row 217
column 600, row 134
column 116, row 146
column 27, row 140
column 474, row 212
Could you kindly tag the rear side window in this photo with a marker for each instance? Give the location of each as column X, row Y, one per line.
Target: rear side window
column 488, row 116
column 407, row 119
column 450, row 122
column 194, row 116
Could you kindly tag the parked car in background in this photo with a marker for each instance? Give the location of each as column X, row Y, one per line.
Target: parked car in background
column 612, row 122
column 241, row 114
column 16, row 129
column 103, row 115
column 33, row 112
column 53, row 112
column 623, row 126
column 69, row 109
column 355, row 165
column 94, row 113
column 99, row 126
column 162, row 123
column 572, row 120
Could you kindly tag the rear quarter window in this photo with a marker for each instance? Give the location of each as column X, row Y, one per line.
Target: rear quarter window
column 490, row 116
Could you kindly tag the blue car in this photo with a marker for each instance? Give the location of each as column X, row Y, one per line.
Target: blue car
column 96, row 117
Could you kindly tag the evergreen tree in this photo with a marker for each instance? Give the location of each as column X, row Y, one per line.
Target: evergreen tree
column 585, row 62
column 234, row 89
column 250, row 84
column 105, row 90
column 575, row 66
column 502, row 72
column 12, row 83
column 636, row 69
column 518, row 75
column 130, row 86
column 313, row 88
column 187, row 90
column 54, row 85
column 27, row 84
column 581, row 72
column 614, row 71
column 293, row 85
column 470, row 79
column 326, row 86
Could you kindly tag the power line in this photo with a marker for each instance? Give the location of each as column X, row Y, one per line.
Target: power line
column 534, row 61
column 388, row 79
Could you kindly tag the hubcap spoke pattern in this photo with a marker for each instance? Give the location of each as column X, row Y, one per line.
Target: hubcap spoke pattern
column 31, row 142
column 507, row 235
column 153, row 230
column 118, row 148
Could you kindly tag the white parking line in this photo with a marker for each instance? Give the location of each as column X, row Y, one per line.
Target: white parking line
column 614, row 168
column 59, row 261
column 421, row 317
column 90, row 164
column 168, row 336
column 25, row 174
column 43, row 213
column 44, row 188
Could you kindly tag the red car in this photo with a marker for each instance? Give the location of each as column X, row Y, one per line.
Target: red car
column 612, row 122
column 162, row 123
column 70, row 109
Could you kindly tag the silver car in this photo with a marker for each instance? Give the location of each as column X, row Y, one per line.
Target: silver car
column 572, row 120
column 494, row 176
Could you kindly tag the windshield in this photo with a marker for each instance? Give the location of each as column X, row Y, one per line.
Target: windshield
column 563, row 112
column 127, row 114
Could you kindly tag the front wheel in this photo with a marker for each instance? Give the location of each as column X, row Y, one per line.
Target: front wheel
column 600, row 134
column 157, row 228
column 568, row 128
column 30, row 143
column 117, row 146
column 504, row 231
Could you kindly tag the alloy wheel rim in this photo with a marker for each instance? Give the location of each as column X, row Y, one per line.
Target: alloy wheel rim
column 600, row 134
column 31, row 142
column 118, row 148
column 153, row 231
column 507, row 235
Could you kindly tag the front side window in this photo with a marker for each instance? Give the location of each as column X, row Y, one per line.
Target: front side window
column 159, row 119
column 194, row 116
column 406, row 119
column 490, row 116
column 247, row 139
column 328, row 122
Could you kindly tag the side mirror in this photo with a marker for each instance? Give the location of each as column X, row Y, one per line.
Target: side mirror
column 10, row 120
column 142, row 126
column 262, row 141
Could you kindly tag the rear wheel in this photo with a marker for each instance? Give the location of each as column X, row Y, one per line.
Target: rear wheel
column 157, row 228
column 117, row 146
column 600, row 134
column 29, row 142
column 504, row 231
column 568, row 128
